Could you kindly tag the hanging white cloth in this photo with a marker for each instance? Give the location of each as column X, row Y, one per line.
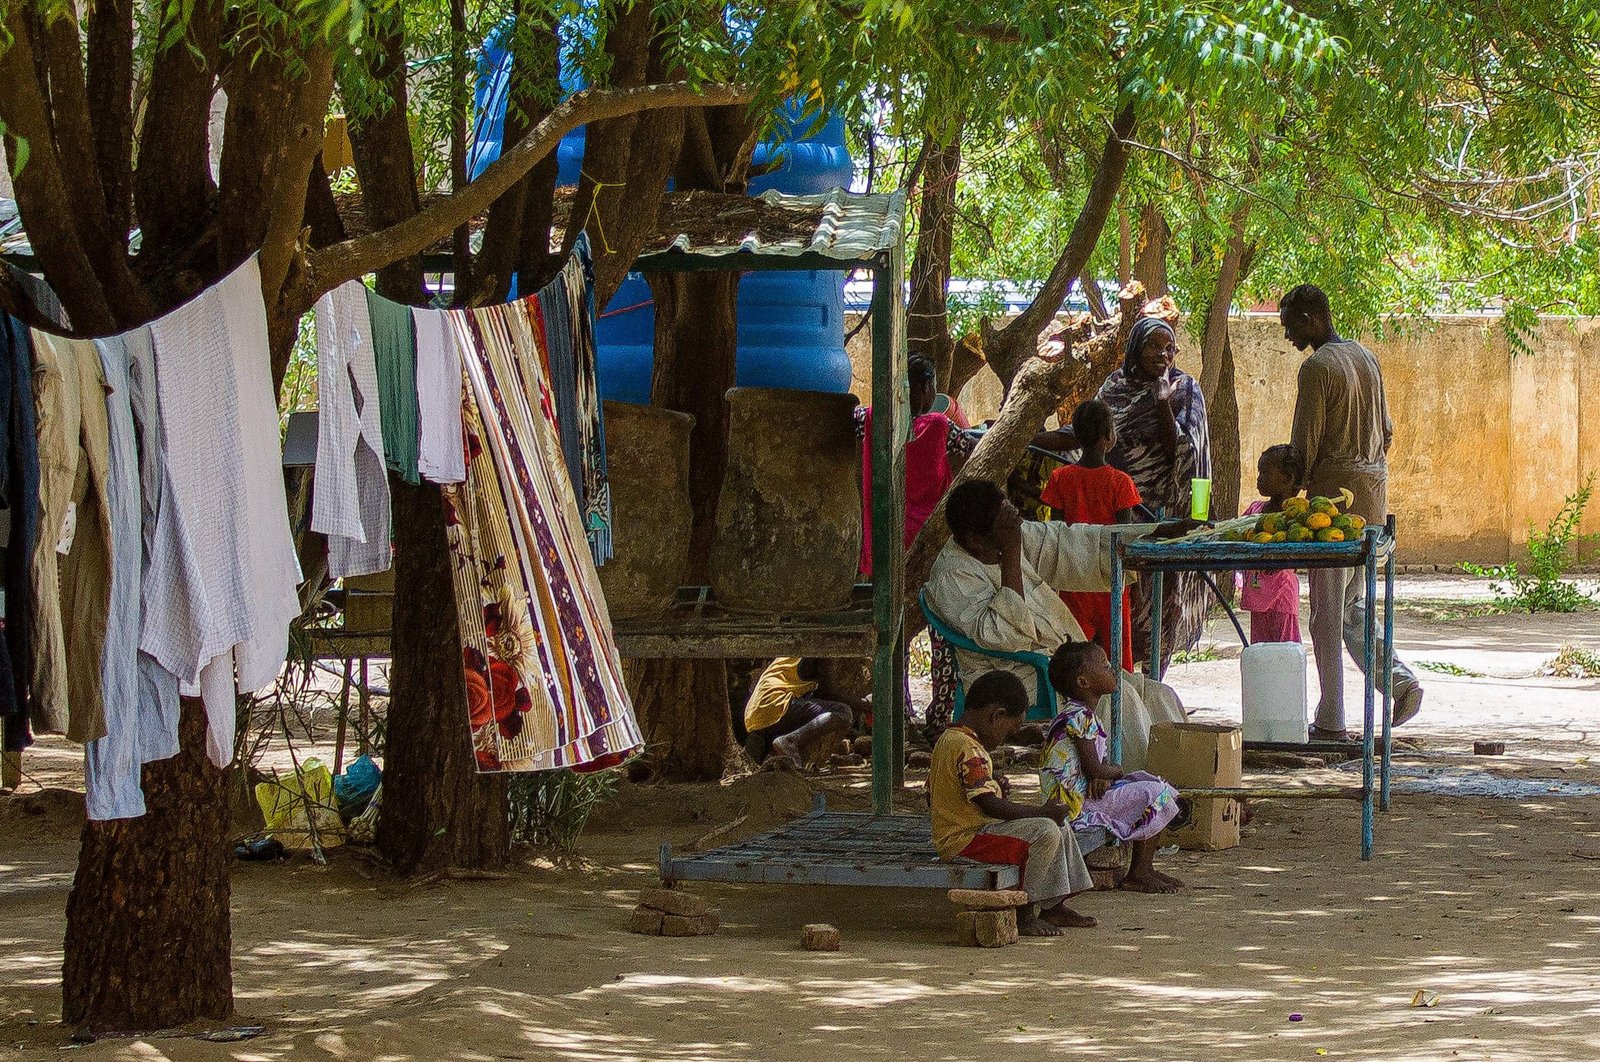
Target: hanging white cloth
column 351, row 501
column 441, row 456
column 220, row 591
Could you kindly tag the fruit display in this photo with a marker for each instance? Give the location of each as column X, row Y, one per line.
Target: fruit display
column 1302, row 520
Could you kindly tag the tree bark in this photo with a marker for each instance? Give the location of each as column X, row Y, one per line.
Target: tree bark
column 148, row 935
column 1217, row 368
column 1150, row 265
column 516, row 236
column 438, row 811
column 1007, row 348
column 385, row 166
column 682, row 705
column 110, row 88
column 173, row 176
column 928, row 315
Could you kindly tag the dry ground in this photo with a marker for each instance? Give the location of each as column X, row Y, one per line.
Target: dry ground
column 1490, row 904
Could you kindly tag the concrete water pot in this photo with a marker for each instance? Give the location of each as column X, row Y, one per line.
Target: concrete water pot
column 647, row 462
column 788, row 533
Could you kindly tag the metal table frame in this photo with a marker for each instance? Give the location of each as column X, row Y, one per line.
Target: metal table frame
column 1374, row 548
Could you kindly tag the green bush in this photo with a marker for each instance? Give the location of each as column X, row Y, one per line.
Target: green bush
column 1538, row 586
column 550, row 809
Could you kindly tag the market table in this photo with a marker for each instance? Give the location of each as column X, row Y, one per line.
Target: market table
column 1374, row 547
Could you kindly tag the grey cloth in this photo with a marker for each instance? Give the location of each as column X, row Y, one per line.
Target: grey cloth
column 1055, row 867
column 351, row 501
column 112, row 762
column 158, row 687
column 1338, row 624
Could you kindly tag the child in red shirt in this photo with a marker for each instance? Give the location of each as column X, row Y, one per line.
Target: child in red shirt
column 1273, row 598
column 1092, row 492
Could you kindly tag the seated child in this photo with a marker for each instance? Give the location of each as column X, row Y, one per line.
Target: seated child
column 1273, row 598
column 1093, row 492
column 1133, row 806
column 973, row 819
column 782, row 718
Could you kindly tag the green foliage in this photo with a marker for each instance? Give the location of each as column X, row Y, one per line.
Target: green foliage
column 1444, row 667
column 1573, row 662
column 551, row 808
column 1539, row 586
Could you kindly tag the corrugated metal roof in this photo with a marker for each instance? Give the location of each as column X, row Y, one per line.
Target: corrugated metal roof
column 840, row 225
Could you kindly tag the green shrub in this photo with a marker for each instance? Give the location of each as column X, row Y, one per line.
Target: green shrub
column 550, row 809
column 1538, row 585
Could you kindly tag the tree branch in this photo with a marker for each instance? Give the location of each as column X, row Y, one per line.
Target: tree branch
column 1007, row 347
column 332, row 266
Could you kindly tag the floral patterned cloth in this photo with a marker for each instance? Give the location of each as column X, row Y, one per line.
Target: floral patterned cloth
column 543, row 675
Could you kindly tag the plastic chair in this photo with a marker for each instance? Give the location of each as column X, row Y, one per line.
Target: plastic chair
column 1043, row 708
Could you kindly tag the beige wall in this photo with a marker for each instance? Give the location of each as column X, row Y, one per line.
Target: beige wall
column 1486, row 443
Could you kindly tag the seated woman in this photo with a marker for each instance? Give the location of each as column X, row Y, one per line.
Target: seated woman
column 1130, row 805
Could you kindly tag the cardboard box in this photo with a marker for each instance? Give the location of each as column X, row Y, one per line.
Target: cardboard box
column 1201, row 755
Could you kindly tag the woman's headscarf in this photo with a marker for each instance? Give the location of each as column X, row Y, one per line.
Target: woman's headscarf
column 1143, row 329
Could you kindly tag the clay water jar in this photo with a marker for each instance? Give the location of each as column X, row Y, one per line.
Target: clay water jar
column 647, row 462
column 788, row 529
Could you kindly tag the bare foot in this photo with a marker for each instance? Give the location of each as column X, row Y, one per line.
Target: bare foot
column 785, row 747
column 1031, row 925
column 1317, row 733
column 1176, row 883
column 1065, row 917
column 1150, row 881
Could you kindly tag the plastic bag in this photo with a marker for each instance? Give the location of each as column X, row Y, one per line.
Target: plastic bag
column 300, row 811
column 356, row 785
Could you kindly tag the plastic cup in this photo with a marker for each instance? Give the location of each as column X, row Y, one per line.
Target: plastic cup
column 1199, row 499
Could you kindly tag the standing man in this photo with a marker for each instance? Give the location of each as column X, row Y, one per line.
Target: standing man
column 1341, row 433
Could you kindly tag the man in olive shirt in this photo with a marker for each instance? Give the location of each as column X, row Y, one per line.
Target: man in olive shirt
column 1342, row 433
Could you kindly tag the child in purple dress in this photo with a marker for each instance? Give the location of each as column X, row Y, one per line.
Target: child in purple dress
column 1133, row 806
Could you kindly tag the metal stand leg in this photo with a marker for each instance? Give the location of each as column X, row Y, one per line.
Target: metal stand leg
column 897, row 737
column 1116, row 647
column 1388, row 671
column 1157, row 588
column 1368, row 658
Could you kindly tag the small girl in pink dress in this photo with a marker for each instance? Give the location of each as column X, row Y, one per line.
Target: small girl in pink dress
column 1273, row 598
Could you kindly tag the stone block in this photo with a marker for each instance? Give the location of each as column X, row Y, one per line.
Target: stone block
column 819, row 937
column 988, row 899
column 646, row 921
column 679, row 926
column 673, row 902
column 986, row 929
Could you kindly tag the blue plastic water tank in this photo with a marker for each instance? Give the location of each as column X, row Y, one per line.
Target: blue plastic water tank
column 790, row 325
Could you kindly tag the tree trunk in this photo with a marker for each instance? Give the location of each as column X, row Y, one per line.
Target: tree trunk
column 438, row 811
column 1217, row 367
column 148, row 934
column 1150, row 267
column 928, row 315
column 682, row 705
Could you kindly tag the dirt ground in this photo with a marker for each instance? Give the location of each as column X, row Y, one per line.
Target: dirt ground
column 1491, row 905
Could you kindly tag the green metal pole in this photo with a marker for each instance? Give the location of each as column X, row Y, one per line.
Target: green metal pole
column 890, row 425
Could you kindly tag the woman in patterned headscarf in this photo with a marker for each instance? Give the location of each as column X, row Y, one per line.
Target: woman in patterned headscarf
column 1163, row 442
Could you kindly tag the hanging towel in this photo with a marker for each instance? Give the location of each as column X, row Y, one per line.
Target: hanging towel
column 72, row 555
column 20, row 487
column 350, row 503
column 394, row 342
column 221, row 587
column 543, row 675
column 440, row 456
column 43, row 295
column 566, row 309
